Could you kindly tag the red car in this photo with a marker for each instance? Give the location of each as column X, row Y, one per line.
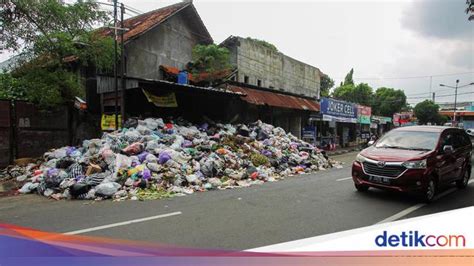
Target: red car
column 415, row 159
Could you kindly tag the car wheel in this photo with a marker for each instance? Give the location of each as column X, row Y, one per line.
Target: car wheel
column 430, row 191
column 462, row 183
column 361, row 188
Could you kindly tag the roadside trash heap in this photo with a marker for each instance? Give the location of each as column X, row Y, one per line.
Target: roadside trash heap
column 151, row 159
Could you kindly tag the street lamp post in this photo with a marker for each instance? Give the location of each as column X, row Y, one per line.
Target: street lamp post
column 456, row 95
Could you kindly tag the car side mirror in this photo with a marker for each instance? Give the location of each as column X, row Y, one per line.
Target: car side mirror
column 448, row 149
column 370, row 143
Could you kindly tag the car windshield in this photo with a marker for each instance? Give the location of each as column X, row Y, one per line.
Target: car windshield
column 409, row 140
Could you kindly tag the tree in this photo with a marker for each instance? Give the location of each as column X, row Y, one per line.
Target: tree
column 428, row 112
column 388, row 101
column 49, row 35
column 10, row 88
column 361, row 94
column 348, row 79
column 326, row 84
column 209, row 58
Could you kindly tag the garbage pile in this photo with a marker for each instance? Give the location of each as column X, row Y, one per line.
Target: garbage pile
column 151, row 159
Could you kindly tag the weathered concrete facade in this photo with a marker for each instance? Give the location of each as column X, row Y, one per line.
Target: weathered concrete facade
column 261, row 66
column 170, row 43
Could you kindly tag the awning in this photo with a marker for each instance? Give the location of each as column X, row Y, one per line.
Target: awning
column 331, row 118
column 259, row 97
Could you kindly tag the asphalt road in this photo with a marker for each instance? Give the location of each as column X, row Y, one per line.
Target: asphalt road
column 297, row 207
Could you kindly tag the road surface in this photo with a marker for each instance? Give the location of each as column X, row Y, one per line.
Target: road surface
column 297, row 207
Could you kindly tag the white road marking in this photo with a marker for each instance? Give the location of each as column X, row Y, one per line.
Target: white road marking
column 405, row 212
column 345, row 178
column 122, row 223
column 413, row 208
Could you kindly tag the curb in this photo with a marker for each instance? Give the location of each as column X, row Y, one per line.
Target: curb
column 341, row 152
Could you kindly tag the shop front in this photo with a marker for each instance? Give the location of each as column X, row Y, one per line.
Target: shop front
column 339, row 127
column 404, row 119
column 381, row 124
column 363, row 119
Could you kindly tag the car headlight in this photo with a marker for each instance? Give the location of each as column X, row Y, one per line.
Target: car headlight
column 421, row 164
column 360, row 158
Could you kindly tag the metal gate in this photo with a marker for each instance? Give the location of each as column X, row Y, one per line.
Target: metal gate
column 27, row 131
column 6, row 142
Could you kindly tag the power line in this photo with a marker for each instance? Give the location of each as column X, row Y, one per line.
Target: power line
column 421, row 93
column 445, row 95
column 413, row 77
column 133, row 10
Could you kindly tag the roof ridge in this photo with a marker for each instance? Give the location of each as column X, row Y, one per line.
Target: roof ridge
column 184, row 4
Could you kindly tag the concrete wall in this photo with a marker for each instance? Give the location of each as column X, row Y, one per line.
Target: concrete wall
column 170, row 43
column 274, row 69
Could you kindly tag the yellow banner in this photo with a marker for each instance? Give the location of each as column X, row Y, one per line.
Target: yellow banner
column 108, row 122
column 167, row 100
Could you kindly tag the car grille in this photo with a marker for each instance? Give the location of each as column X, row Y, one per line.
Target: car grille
column 387, row 170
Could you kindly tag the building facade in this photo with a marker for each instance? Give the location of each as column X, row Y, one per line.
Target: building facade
column 262, row 66
column 170, row 42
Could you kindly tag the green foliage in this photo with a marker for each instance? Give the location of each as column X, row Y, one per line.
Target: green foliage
column 51, row 88
column 361, row 94
column 388, row 101
column 209, row 58
column 348, row 79
column 153, row 193
column 259, row 159
column 326, row 84
column 264, row 44
column 47, row 33
column 10, row 88
column 428, row 112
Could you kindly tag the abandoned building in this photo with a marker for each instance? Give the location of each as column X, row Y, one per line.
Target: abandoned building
column 280, row 90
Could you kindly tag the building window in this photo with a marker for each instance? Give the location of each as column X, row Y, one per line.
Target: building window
column 232, row 78
column 259, row 83
column 246, row 79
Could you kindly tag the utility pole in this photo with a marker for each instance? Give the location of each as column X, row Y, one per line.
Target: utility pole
column 456, row 95
column 431, row 84
column 122, row 48
column 434, row 96
column 455, row 99
column 115, row 65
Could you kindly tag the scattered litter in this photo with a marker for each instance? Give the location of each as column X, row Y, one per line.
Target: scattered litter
column 153, row 160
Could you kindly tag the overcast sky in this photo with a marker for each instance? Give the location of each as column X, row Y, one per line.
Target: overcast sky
column 381, row 40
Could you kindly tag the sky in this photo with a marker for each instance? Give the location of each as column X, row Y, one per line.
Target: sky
column 392, row 43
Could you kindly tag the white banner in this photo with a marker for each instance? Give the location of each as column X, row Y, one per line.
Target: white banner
column 445, row 230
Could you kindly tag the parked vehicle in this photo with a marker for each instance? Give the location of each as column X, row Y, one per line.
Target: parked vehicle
column 415, row 159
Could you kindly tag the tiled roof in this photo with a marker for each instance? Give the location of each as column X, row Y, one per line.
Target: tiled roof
column 142, row 23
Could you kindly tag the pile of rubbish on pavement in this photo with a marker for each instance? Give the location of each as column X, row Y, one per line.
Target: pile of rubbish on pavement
column 151, row 159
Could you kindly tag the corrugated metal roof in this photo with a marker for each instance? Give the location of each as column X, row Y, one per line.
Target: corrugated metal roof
column 259, row 97
column 221, row 74
column 106, row 84
column 142, row 23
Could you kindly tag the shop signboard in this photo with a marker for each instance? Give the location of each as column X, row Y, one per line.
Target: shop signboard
column 404, row 119
column 364, row 113
column 309, row 132
column 338, row 108
column 382, row 120
column 338, row 111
